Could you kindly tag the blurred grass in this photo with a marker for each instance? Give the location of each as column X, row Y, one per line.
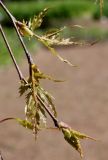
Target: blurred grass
column 58, row 9
column 88, row 34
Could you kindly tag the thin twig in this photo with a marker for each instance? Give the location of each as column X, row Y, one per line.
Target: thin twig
column 22, row 78
column 11, row 53
column 1, row 158
column 29, row 58
column 28, row 55
column 6, row 119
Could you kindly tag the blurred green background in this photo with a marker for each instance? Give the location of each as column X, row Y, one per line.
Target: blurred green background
column 61, row 12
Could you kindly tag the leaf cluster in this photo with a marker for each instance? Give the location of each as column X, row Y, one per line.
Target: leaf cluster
column 34, row 109
column 51, row 38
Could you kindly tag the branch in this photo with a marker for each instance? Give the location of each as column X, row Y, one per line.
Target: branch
column 29, row 58
column 11, row 53
column 22, row 78
column 6, row 119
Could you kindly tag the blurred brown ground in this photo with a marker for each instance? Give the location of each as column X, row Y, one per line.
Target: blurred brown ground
column 82, row 101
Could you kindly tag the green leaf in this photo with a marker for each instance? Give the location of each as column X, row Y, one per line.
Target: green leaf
column 28, row 95
column 39, row 75
column 34, row 112
column 30, row 108
column 47, row 98
column 37, row 20
column 101, row 6
column 24, row 29
column 23, row 88
column 53, row 33
column 81, row 135
column 72, row 140
column 73, row 137
column 42, row 117
column 25, row 123
column 54, row 52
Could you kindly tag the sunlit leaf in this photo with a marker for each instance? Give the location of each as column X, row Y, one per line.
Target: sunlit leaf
column 24, row 29
column 39, row 75
column 81, row 135
column 25, row 123
column 73, row 137
column 73, row 140
column 54, row 52
column 42, row 120
column 54, row 33
column 37, row 20
column 48, row 99
column 23, row 88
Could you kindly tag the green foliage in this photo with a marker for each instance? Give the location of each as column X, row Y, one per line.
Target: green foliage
column 96, row 14
column 60, row 9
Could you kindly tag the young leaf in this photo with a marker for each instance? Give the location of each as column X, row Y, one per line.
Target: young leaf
column 73, row 137
column 25, row 123
column 53, row 51
column 23, row 88
column 72, row 140
column 42, row 120
column 81, row 135
column 47, row 98
column 24, row 29
column 53, row 33
column 37, row 20
column 39, row 75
